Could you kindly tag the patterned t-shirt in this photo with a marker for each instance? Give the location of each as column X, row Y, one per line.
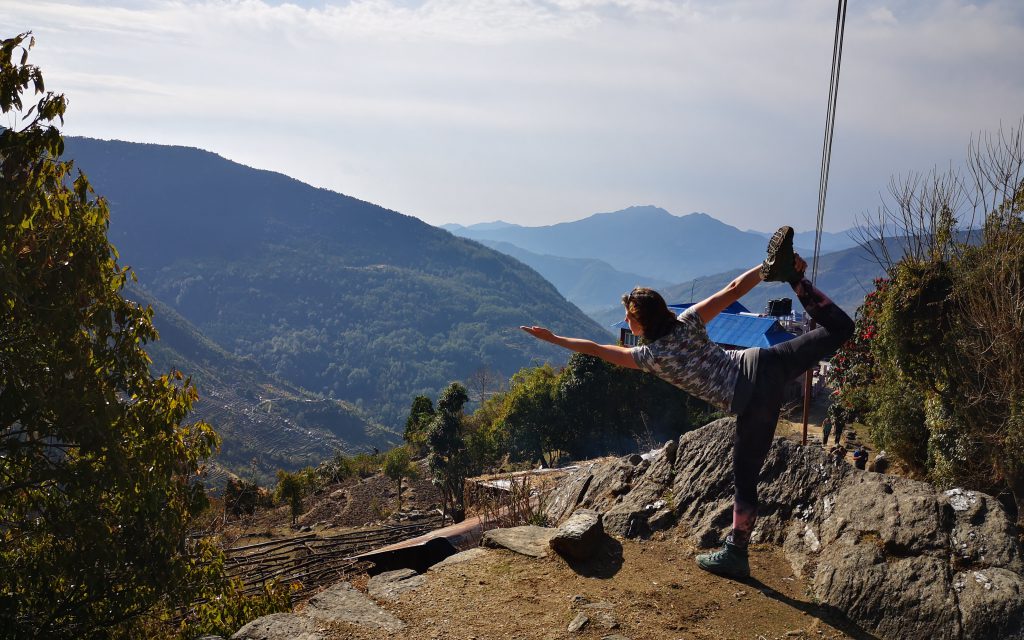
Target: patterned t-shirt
column 688, row 358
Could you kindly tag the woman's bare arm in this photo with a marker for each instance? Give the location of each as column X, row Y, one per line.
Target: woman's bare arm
column 612, row 353
column 713, row 305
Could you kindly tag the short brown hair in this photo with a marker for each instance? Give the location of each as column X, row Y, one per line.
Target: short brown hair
column 648, row 308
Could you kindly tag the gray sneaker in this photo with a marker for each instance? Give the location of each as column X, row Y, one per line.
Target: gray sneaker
column 778, row 266
column 730, row 561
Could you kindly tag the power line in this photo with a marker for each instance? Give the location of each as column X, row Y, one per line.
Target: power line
column 830, row 124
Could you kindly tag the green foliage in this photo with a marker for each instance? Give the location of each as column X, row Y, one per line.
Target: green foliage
column 420, row 415
column 587, row 409
column 97, row 464
column 366, row 464
column 216, row 605
column 606, row 409
column 291, row 488
column 225, row 611
column 530, row 421
column 853, row 369
column 241, row 497
column 483, row 435
column 449, row 458
column 338, row 468
column 397, row 466
column 935, row 365
column 896, row 419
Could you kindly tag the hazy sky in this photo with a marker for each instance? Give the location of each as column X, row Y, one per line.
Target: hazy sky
column 540, row 111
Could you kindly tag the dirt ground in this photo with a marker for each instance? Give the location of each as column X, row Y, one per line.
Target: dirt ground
column 653, row 587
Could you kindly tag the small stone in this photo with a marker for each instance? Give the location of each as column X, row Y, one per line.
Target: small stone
column 578, row 623
column 578, row 601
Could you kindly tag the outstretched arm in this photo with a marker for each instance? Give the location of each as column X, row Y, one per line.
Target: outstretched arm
column 612, row 353
column 713, row 305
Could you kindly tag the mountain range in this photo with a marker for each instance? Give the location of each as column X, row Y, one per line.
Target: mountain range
column 326, row 294
column 846, row 276
column 593, row 260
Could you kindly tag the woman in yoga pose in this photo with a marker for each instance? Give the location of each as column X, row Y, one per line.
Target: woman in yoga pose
column 748, row 383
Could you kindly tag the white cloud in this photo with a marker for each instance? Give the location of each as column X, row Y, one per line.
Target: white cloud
column 536, row 111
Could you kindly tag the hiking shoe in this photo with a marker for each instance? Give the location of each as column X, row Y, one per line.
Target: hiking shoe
column 778, row 266
column 730, row 561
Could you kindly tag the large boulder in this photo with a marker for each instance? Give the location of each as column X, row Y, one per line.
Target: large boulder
column 898, row 557
column 580, row 537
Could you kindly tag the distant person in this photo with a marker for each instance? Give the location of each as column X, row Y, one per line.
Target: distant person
column 860, row 458
column 835, row 418
column 826, row 429
column 838, row 454
column 747, row 383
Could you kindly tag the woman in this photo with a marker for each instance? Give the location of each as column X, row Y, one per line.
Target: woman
column 747, row 383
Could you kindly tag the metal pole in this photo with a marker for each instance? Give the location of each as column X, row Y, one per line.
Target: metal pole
column 807, row 391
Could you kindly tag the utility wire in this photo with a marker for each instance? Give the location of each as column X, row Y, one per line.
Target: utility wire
column 830, row 124
column 826, row 159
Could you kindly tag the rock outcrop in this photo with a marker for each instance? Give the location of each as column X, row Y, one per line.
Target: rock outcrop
column 898, row 557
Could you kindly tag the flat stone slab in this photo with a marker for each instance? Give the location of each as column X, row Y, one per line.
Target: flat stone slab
column 528, row 540
column 280, row 626
column 344, row 603
column 460, row 558
column 390, row 585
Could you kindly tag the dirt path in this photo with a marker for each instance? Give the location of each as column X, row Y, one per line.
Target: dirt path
column 653, row 587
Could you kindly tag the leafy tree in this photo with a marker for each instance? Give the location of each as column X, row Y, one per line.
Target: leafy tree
column 853, row 369
column 942, row 383
column 448, row 458
column 398, row 465
column 337, row 468
column 241, row 497
column 290, row 489
column 417, row 424
column 531, row 422
column 605, row 408
column 483, row 434
column 97, row 464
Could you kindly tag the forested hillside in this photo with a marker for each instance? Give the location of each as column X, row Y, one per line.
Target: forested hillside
column 332, row 294
column 265, row 423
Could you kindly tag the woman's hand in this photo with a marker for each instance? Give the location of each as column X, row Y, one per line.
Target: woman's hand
column 540, row 333
column 615, row 354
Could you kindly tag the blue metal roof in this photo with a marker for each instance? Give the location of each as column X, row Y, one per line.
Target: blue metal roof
column 731, row 329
